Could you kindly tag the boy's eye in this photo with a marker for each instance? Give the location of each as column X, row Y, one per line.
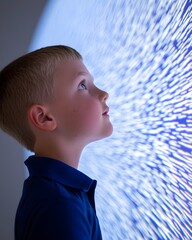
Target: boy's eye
column 82, row 86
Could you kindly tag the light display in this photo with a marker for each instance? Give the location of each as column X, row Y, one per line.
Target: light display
column 140, row 52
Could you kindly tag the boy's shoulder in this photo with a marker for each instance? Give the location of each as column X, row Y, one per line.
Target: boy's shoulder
column 50, row 202
column 51, row 179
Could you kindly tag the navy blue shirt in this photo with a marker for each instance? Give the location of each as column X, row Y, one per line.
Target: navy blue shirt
column 57, row 203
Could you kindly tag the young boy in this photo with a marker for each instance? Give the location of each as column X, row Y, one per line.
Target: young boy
column 49, row 103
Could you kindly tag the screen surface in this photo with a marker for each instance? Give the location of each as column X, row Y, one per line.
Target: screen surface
column 140, row 52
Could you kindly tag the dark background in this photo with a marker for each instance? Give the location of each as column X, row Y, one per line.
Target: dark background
column 18, row 20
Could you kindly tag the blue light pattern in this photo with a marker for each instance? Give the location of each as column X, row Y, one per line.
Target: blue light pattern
column 140, row 52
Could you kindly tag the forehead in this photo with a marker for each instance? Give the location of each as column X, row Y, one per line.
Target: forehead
column 68, row 73
column 71, row 69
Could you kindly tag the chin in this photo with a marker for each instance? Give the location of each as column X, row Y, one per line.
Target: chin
column 109, row 133
column 106, row 132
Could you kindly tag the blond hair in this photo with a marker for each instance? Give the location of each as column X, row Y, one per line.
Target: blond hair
column 26, row 81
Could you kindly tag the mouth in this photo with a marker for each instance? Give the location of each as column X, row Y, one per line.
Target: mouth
column 105, row 113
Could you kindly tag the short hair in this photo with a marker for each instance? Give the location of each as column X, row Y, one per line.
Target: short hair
column 25, row 81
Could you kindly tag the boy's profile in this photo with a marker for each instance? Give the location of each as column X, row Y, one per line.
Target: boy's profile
column 49, row 103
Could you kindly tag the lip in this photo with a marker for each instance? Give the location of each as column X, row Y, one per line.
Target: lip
column 105, row 113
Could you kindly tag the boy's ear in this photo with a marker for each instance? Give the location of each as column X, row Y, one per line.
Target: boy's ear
column 40, row 117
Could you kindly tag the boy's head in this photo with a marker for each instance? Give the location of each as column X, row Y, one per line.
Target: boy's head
column 55, row 77
column 25, row 81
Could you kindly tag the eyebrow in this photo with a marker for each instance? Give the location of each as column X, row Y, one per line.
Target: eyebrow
column 82, row 74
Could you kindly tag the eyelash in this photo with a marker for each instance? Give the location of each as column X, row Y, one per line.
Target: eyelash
column 82, row 84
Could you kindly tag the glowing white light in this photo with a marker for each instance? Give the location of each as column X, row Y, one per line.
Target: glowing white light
column 139, row 51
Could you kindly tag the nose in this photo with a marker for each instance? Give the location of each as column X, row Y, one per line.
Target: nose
column 106, row 95
column 103, row 95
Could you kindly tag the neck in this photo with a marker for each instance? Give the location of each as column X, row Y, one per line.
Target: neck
column 68, row 153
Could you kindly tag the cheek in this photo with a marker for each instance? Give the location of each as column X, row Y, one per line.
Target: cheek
column 88, row 113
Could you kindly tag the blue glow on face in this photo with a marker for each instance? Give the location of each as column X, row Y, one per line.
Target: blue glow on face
column 140, row 52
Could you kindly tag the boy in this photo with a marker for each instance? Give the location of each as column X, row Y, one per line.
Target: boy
column 49, row 103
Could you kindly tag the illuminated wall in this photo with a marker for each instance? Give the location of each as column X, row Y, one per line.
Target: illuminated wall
column 140, row 52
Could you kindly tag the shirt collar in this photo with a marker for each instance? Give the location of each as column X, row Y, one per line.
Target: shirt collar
column 60, row 172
